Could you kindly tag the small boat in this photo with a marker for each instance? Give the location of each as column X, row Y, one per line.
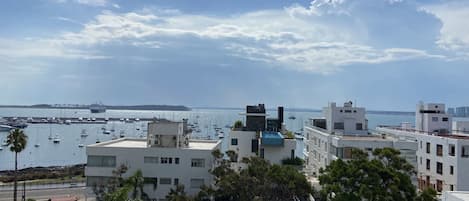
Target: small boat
column 81, row 145
column 83, row 133
column 122, row 134
column 98, row 141
column 93, row 119
column 138, row 129
column 292, row 117
column 68, row 121
column 56, row 139
column 80, row 118
column 37, row 145
column 121, row 119
column 114, row 137
column 4, row 143
column 137, row 119
column 106, row 119
column 106, row 132
column 1, row 148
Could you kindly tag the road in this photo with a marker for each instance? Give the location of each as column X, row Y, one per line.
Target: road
column 45, row 194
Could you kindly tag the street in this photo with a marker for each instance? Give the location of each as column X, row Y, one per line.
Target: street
column 45, row 194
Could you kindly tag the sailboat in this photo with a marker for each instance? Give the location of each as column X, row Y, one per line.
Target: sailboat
column 122, row 134
column 37, row 138
column 56, row 139
column 81, row 145
column 83, row 133
column 50, row 132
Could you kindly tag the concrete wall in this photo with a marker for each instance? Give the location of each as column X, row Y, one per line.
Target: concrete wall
column 275, row 154
column 244, row 143
column 134, row 159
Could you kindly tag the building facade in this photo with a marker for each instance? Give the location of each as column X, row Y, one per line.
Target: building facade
column 443, row 157
column 263, row 137
column 166, row 158
column 343, row 129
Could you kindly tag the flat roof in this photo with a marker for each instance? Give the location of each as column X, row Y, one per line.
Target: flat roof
column 142, row 143
column 463, row 195
column 454, row 135
column 365, row 138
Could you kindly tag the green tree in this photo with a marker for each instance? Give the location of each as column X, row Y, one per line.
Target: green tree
column 136, row 182
column 386, row 176
column 260, row 180
column 178, row 194
column 238, row 125
column 428, row 194
column 17, row 141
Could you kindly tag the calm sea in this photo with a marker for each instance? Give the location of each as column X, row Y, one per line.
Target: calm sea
column 68, row 152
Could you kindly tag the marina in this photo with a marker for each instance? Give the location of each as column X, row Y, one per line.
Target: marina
column 57, row 144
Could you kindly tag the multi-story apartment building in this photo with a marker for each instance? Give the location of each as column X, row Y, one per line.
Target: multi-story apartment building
column 443, row 156
column 343, row 129
column 261, row 136
column 166, row 158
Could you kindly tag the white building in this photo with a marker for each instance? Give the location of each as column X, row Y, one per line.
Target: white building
column 262, row 137
column 166, row 159
column 443, row 158
column 343, row 129
column 432, row 117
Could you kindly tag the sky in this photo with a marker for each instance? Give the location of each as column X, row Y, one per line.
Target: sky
column 381, row 54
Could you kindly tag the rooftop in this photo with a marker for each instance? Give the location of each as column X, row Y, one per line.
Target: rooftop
column 271, row 138
column 463, row 195
column 142, row 143
column 365, row 138
column 451, row 136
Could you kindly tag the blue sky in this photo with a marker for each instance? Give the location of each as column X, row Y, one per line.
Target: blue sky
column 384, row 54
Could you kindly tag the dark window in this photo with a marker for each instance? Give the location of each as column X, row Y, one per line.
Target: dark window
column 439, row 150
column 465, row 151
column 348, row 111
column 292, row 154
column 176, row 181
column 176, row 160
column 339, row 125
column 444, row 119
column 451, row 187
column 428, row 147
column 234, row 141
column 170, row 160
column 439, row 185
column 439, row 168
column 262, row 153
column 428, row 164
column 452, row 150
column 359, row 126
column 165, row 180
column 354, row 111
column 254, row 146
column 451, row 170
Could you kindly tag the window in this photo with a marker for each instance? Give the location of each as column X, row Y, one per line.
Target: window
column 452, row 150
column 451, row 187
column 198, row 162
column 176, row 160
column 292, row 154
column 439, row 185
column 439, row 150
column 420, row 160
column 348, row 111
column 254, row 146
column 347, row 153
column 439, row 168
column 262, row 153
column 428, row 164
column 451, row 170
column 234, row 141
column 176, row 181
column 428, row 147
column 149, row 180
column 197, row 183
column 465, row 151
column 165, row 181
column 164, row 160
column 359, row 126
column 101, row 161
column 150, row 159
column 339, row 125
column 444, row 119
column 170, row 160
column 434, row 118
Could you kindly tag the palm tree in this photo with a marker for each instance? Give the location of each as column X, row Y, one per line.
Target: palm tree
column 178, row 194
column 16, row 140
column 136, row 182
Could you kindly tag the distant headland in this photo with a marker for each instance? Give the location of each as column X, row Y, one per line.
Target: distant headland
column 109, row 107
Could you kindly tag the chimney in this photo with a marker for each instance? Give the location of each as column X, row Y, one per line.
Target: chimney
column 280, row 117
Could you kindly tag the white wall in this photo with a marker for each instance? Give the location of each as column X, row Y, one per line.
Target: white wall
column 134, row 159
column 244, row 143
column 275, row 154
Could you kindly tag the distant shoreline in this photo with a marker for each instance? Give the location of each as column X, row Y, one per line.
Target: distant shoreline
column 311, row 110
column 108, row 107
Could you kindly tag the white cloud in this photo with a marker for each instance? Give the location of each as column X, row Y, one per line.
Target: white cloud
column 278, row 37
column 454, row 32
column 96, row 3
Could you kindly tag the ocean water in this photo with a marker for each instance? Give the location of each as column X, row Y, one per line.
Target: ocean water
column 67, row 152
